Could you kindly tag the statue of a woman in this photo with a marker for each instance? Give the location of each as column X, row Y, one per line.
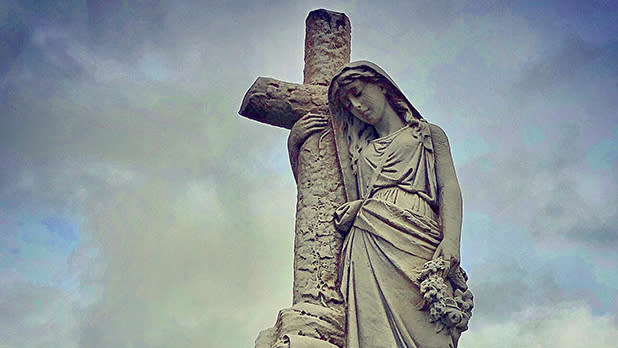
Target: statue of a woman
column 400, row 273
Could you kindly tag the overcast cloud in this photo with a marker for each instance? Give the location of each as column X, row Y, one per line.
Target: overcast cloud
column 137, row 209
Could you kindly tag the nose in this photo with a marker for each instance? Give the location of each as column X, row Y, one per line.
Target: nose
column 355, row 102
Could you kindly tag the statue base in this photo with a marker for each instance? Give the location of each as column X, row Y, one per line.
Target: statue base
column 305, row 325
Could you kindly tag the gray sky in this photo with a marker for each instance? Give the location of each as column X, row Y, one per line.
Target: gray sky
column 137, row 209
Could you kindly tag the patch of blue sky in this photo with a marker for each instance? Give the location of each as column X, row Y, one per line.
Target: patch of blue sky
column 603, row 27
column 41, row 248
column 469, row 148
column 278, row 162
column 9, row 245
column 580, row 272
column 571, row 17
column 574, row 271
column 487, row 242
column 62, row 228
column 475, row 246
column 605, row 272
column 51, row 233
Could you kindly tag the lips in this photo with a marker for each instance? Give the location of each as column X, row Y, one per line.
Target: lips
column 363, row 111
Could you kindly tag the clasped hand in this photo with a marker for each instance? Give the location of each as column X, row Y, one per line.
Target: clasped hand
column 449, row 252
column 303, row 128
column 306, row 126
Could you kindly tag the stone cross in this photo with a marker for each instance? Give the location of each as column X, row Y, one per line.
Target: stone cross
column 317, row 244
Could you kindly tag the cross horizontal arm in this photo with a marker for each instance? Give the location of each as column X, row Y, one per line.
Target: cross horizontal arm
column 280, row 103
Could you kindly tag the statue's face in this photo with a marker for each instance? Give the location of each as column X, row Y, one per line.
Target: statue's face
column 365, row 100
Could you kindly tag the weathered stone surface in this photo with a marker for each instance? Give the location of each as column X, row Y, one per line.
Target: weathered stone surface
column 282, row 103
column 317, row 244
column 305, row 325
column 327, row 45
column 372, row 167
column 266, row 338
column 298, row 341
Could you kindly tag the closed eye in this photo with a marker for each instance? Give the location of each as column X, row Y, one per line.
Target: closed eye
column 359, row 90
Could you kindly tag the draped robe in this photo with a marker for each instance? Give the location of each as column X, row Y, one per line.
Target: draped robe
column 395, row 229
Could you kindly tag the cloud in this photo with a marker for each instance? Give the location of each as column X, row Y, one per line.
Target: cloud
column 178, row 202
column 560, row 325
column 34, row 316
column 185, row 264
column 561, row 66
column 183, row 233
column 13, row 36
column 123, row 117
column 563, row 198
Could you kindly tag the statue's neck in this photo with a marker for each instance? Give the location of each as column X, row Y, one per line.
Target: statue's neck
column 389, row 122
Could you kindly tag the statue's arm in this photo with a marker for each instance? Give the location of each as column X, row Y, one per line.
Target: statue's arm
column 449, row 197
column 303, row 128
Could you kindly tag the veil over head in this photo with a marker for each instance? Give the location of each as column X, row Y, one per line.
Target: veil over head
column 363, row 65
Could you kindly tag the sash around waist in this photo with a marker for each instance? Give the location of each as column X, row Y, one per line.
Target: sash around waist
column 405, row 229
column 407, row 201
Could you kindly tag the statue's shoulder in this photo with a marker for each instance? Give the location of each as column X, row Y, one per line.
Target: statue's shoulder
column 438, row 135
column 436, row 129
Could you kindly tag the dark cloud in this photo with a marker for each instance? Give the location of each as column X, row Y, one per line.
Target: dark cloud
column 126, row 24
column 13, row 37
column 562, row 66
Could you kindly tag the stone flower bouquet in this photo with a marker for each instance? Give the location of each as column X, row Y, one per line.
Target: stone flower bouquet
column 450, row 313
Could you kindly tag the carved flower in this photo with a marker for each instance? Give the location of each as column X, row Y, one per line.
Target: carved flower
column 452, row 316
column 450, row 313
column 436, row 311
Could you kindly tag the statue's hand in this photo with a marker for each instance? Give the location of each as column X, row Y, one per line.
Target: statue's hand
column 306, row 126
column 302, row 129
column 449, row 252
column 344, row 215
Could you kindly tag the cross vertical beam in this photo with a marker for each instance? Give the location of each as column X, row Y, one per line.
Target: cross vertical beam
column 320, row 187
column 317, row 245
column 327, row 46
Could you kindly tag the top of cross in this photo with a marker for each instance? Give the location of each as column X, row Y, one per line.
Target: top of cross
column 327, row 49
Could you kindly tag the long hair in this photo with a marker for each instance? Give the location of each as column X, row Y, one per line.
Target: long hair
column 359, row 133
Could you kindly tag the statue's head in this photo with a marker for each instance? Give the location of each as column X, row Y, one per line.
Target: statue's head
column 353, row 78
column 357, row 130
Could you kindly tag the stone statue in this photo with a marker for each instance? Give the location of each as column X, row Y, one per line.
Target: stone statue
column 399, row 267
column 378, row 213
